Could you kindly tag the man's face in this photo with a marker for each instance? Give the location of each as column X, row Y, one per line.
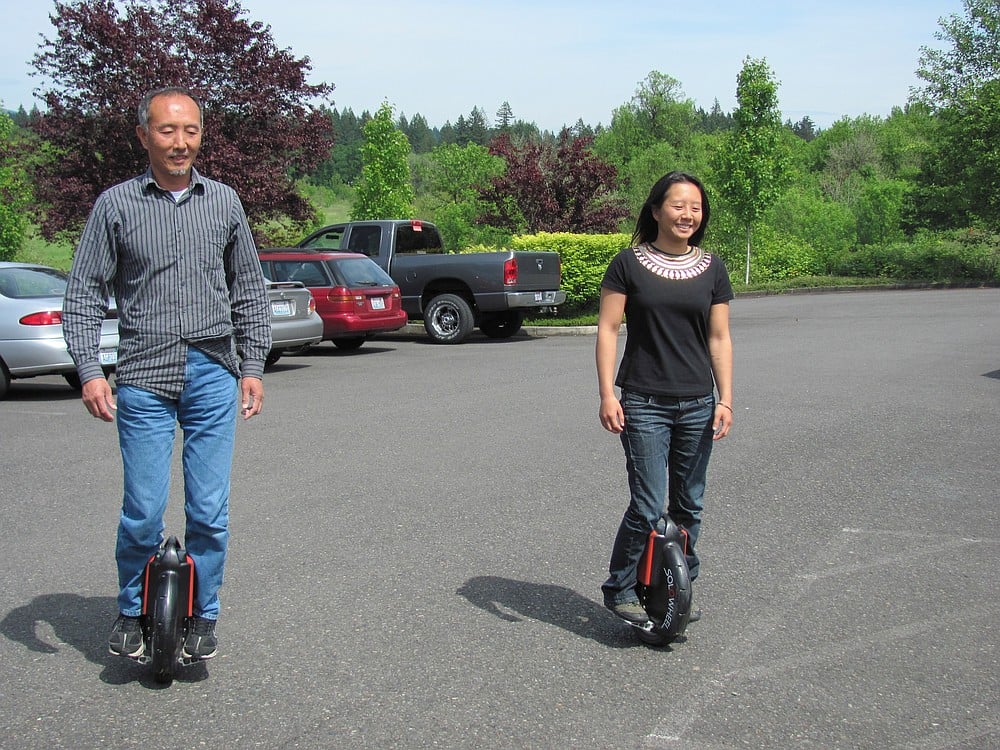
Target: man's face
column 172, row 137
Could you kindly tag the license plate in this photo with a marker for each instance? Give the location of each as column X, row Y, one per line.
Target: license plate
column 281, row 308
column 109, row 356
column 378, row 303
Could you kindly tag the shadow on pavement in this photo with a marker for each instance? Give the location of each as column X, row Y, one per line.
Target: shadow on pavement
column 556, row 605
column 83, row 623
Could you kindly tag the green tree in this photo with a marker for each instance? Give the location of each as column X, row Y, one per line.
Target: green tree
column 457, row 172
column 751, row 167
column 418, row 133
column 971, row 59
column 505, row 117
column 384, row 191
column 473, row 129
column 959, row 186
column 14, row 194
column 658, row 112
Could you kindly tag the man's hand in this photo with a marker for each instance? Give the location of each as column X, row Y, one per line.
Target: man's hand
column 252, row 396
column 98, row 399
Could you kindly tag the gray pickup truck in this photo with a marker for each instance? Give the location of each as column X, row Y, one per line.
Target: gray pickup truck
column 451, row 293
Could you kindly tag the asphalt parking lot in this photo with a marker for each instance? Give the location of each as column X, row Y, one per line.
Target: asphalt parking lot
column 419, row 534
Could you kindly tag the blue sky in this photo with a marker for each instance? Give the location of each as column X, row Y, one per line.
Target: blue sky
column 557, row 61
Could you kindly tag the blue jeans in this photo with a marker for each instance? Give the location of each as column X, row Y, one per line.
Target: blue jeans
column 667, row 443
column 206, row 412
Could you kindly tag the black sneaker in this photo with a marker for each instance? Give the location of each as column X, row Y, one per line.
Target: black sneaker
column 126, row 637
column 630, row 612
column 200, row 642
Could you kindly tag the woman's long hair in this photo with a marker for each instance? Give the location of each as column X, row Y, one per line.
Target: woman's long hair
column 646, row 228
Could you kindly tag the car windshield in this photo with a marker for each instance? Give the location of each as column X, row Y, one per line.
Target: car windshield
column 361, row 272
column 23, row 283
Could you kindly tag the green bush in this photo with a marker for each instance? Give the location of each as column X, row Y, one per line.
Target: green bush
column 584, row 257
column 963, row 255
column 775, row 257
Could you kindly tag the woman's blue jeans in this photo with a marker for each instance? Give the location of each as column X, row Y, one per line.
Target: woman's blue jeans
column 667, row 443
column 206, row 413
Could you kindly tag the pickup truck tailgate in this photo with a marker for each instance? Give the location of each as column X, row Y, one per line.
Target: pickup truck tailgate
column 537, row 271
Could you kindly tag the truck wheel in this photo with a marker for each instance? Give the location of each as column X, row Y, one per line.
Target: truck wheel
column 448, row 319
column 501, row 325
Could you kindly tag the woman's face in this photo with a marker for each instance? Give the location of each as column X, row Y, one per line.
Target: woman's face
column 679, row 215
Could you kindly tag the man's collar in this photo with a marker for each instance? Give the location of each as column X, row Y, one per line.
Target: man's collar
column 197, row 183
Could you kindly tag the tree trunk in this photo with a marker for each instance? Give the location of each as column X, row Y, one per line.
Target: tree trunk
column 748, row 256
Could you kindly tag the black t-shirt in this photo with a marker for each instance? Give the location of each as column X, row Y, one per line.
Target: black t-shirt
column 666, row 312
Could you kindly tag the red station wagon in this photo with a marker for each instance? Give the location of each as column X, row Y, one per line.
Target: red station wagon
column 355, row 298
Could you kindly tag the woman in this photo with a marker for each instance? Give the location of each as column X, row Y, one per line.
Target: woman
column 675, row 298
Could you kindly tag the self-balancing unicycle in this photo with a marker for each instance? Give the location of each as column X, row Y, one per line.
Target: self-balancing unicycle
column 664, row 585
column 167, row 601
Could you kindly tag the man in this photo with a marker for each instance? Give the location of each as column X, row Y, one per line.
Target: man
column 175, row 250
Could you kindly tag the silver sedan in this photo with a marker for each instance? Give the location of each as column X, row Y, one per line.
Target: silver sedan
column 295, row 324
column 31, row 334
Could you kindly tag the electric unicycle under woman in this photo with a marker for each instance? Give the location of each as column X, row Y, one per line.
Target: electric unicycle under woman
column 664, row 585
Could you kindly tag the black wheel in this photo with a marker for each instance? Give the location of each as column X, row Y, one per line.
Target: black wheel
column 654, row 637
column 501, row 325
column 165, row 628
column 4, row 380
column 448, row 319
column 349, row 345
column 73, row 380
column 273, row 356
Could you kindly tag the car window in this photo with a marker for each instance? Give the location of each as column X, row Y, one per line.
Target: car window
column 354, row 272
column 365, row 240
column 309, row 272
column 21, row 283
column 329, row 240
column 418, row 239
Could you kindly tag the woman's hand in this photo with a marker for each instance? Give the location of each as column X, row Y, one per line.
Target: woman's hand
column 723, row 420
column 612, row 416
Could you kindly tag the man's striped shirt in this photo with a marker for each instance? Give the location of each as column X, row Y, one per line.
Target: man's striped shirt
column 183, row 272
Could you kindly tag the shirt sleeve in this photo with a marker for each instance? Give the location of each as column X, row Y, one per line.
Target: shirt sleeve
column 723, row 291
column 248, row 296
column 87, row 292
column 615, row 277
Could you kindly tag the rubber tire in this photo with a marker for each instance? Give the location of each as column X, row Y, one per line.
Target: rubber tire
column 273, row 356
column 4, row 381
column 165, row 629
column 72, row 379
column 501, row 325
column 654, row 637
column 349, row 345
column 448, row 319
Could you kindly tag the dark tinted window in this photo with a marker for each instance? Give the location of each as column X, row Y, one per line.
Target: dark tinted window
column 418, row 238
column 353, row 272
column 365, row 240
